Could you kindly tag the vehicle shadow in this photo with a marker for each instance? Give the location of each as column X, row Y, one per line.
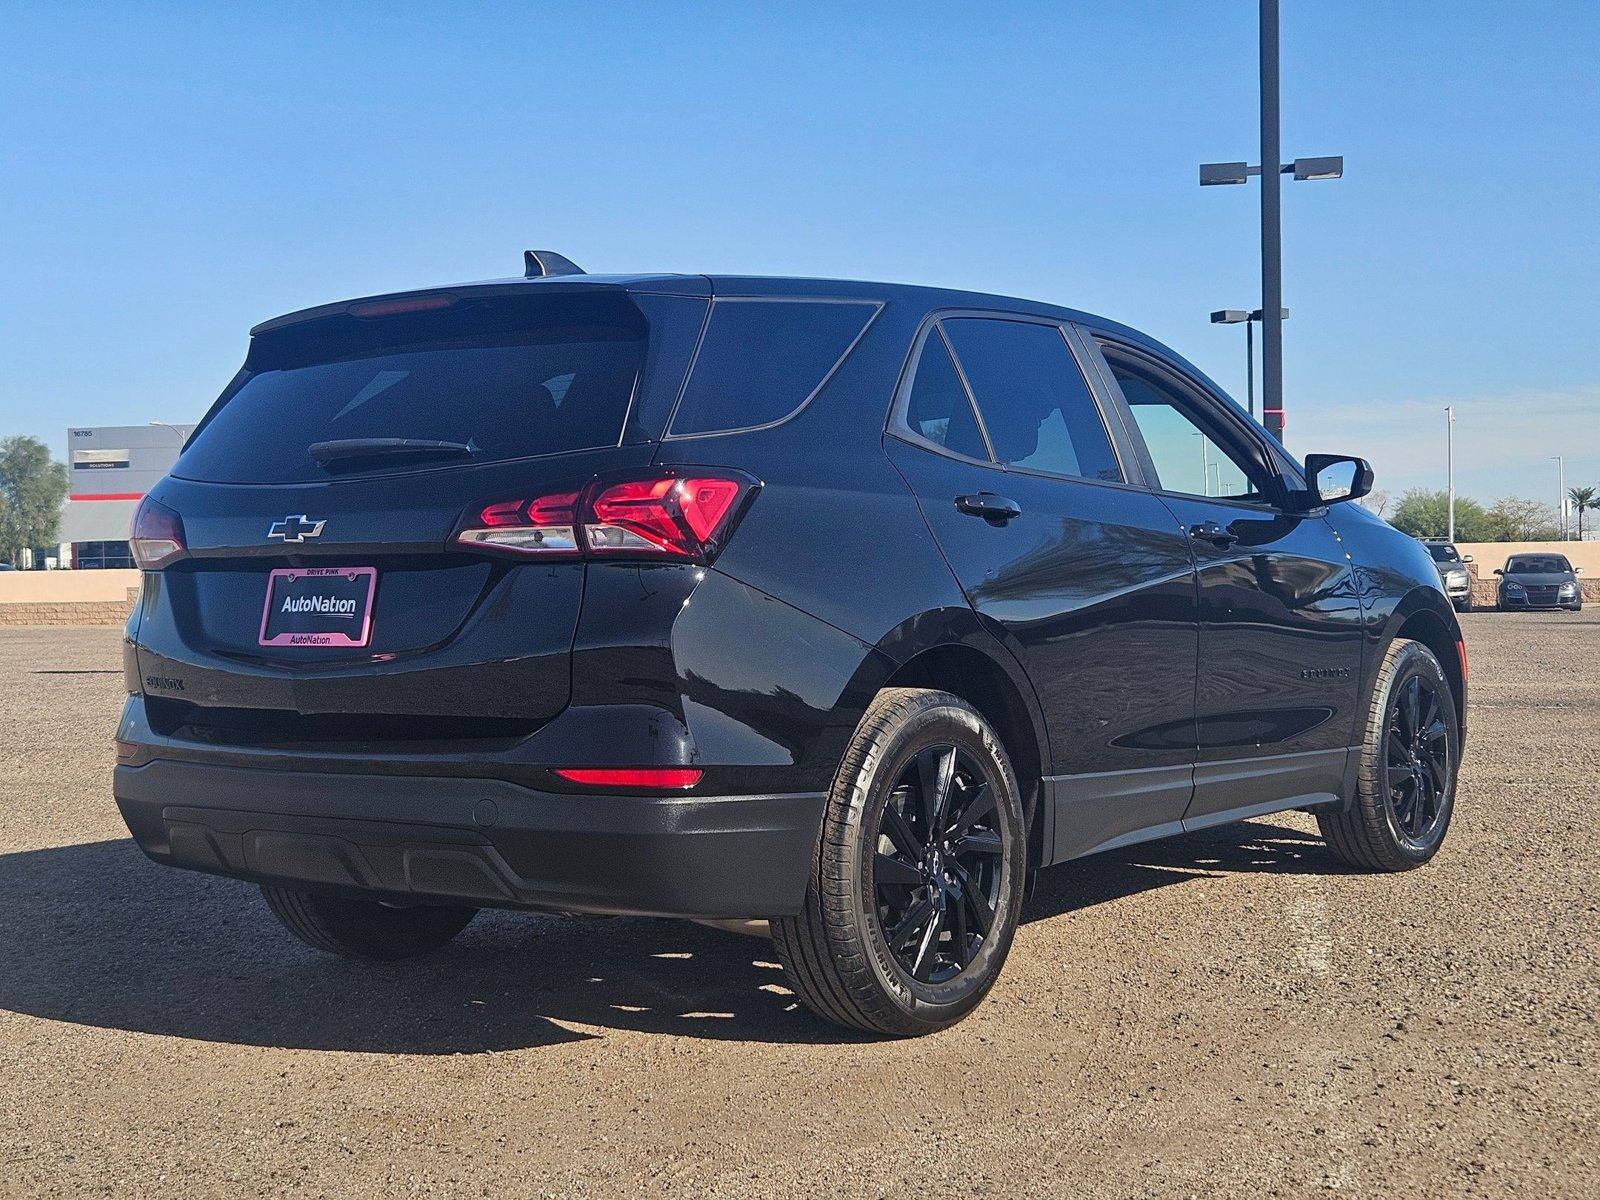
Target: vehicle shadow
column 97, row 935
column 1256, row 847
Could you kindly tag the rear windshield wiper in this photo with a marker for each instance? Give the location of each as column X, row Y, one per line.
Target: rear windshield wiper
column 346, row 449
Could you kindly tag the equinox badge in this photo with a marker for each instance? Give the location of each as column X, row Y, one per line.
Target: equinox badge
column 296, row 529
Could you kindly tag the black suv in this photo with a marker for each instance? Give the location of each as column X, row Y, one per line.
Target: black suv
column 844, row 605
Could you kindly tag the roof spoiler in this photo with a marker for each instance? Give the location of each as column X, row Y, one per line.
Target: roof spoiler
column 536, row 264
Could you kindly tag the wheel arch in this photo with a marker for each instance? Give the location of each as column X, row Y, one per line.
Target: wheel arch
column 952, row 652
column 1427, row 618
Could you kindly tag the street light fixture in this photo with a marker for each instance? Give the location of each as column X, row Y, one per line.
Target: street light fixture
column 1238, row 316
column 1329, row 167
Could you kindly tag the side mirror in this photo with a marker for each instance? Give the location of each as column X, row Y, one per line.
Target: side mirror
column 1466, row 558
column 1333, row 478
column 1577, row 570
column 1498, row 571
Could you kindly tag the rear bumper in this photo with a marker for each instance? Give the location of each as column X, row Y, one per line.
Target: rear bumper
column 484, row 842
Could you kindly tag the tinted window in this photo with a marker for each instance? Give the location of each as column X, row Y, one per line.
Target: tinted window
column 512, row 379
column 1188, row 453
column 1542, row 564
column 938, row 407
column 1035, row 403
column 1443, row 553
column 760, row 360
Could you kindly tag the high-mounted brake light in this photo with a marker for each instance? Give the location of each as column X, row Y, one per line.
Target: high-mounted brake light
column 157, row 536
column 399, row 306
column 683, row 515
column 660, row 778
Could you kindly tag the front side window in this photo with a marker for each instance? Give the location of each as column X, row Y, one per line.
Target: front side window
column 1190, row 453
column 761, row 360
column 1035, row 403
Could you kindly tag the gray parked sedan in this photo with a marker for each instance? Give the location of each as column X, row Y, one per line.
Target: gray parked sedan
column 1540, row 581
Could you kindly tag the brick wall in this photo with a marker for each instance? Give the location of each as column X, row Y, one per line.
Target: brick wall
column 69, row 612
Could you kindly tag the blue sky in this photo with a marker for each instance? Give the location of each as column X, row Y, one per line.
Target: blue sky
column 173, row 174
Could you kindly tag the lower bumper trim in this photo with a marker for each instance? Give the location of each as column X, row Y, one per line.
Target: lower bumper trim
column 483, row 842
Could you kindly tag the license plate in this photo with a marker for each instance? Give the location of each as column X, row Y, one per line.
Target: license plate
column 319, row 606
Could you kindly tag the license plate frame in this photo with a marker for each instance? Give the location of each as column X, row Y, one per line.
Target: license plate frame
column 310, row 626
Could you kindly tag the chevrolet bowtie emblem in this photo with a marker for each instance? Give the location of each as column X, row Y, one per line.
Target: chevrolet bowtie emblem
column 296, row 529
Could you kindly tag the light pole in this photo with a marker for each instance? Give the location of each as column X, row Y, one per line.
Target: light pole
column 1561, row 492
column 1271, row 223
column 182, row 436
column 1238, row 316
column 1450, row 467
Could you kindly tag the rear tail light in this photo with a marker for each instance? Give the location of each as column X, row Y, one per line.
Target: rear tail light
column 1461, row 653
column 685, row 514
column 157, row 536
column 547, row 526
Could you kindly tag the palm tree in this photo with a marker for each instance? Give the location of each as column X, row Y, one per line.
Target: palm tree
column 1582, row 498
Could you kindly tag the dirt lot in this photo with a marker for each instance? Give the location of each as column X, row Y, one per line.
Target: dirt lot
column 1229, row 1014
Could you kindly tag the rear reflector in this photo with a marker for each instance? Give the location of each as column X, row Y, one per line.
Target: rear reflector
column 1461, row 653
column 656, row 778
column 157, row 536
column 686, row 514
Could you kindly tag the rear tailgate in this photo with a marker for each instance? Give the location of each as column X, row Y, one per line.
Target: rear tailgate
column 456, row 643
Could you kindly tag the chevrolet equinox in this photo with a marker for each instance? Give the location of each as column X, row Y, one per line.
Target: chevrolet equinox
column 844, row 605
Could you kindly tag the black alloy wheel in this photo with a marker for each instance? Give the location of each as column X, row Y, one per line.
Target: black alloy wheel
column 1406, row 774
column 1418, row 758
column 936, row 872
column 920, row 871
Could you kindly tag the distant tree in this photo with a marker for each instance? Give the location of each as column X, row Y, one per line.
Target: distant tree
column 1426, row 514
column 1583, row 498
column 32, row 487
column 1376, row 502
column 1514, row 519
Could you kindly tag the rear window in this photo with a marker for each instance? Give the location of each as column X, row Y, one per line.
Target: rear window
column 508, row 377
column 761, row 360
column 1036, row 406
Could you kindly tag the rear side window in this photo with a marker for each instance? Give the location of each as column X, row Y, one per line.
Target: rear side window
column 938, row 409
column 1036, row 406
column 761, row 360
column 510, row 378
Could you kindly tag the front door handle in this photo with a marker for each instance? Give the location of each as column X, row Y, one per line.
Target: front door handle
column 988, row 506
column 1211, row 532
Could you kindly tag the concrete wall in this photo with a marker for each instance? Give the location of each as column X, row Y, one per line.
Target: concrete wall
column 67, row 597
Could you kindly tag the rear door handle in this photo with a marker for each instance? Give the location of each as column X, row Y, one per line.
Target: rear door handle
column 988, row 506
column 1211, row 532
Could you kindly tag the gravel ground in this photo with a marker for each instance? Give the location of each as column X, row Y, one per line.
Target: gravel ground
column 1225, row 1014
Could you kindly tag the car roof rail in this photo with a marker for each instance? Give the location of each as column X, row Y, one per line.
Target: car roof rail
column 536, row 264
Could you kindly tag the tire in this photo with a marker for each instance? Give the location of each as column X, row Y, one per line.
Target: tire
column 1404, row 796
column 357, row 928
column 1464, row 606
column 877, row 868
